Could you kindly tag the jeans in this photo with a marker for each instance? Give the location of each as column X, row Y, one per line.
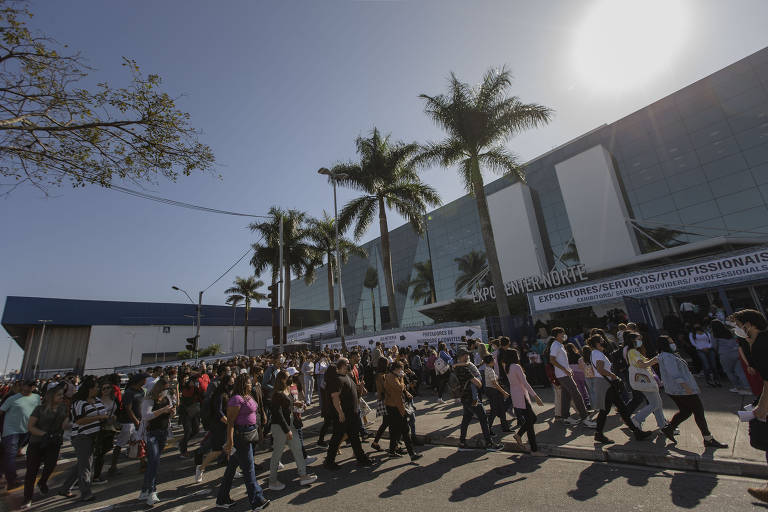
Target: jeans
column 527, row 419
column 581, row 384
column 398, row 428
column 689, row 404
column 11, row 445
column 351, row 427
column 243, row 458
column 570, row 392
column 734, row 371
column 474, row 411
column 590, row 382
column 155, row 445
column 654, row 406
column 104, row 443
column 708, row 363
column 190, row 421
column 498, row 409
column 309, row 386
column 280, row 439
column 81, row 472
column 37, row 455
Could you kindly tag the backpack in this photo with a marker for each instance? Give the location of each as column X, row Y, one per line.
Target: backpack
column 441, row 366
column 616, row 358
column 206, row 409
column 416, row 362
column 454, row 385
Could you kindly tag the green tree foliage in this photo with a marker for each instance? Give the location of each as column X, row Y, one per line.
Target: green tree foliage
column 248, row 289
column 52, row 131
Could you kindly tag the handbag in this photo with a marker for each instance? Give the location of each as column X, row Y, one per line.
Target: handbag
column 251, row 436
column 410, row 408
column 137, row 449
column 758, row 434
column 640, row 380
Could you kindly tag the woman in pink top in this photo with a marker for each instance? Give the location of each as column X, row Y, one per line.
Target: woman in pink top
column 522, row 393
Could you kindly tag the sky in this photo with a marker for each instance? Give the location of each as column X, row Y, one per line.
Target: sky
column 280, row 89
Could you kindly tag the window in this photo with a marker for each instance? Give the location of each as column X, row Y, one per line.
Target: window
column 692, row 195
column 717, row 149
column 731, row 184
column 724, row 167
column 757, row 155
column 740, row 201
column 699, row 212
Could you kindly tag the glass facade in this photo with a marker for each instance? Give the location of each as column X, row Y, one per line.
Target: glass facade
column 692, row 166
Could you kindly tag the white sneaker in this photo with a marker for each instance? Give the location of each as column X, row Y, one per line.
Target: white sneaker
column 589, row 423
column 572, row 421
column 310, row 460
column 276, row 486
column 734, row 390
column 238, row 474
column 199, row 474
column 143, row 495
column 26, row 506
column 440, row 401
column 307, row 480
column 152, row 499
column 280, row 466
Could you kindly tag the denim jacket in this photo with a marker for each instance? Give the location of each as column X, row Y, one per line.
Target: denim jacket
column 675, row 372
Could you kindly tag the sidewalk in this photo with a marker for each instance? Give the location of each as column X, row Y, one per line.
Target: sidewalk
column 439, row 424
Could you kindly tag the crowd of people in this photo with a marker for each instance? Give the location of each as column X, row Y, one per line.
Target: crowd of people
column 250, row 402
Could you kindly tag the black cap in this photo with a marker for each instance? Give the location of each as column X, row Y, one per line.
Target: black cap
column 462, row 352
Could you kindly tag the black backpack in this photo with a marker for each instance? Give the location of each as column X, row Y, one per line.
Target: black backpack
column 617, row 360
column 206, row 409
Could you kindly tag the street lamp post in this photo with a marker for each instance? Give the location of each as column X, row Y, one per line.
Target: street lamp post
column 334, row 177
column 8, row 357
column 199, row 308
column 39, row 346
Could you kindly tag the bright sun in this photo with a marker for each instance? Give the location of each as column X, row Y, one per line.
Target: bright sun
column 621, row 44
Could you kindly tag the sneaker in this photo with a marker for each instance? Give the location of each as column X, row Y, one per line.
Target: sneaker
column 310, row 460
column 26, row 506
column 264, row 505
column 99, row 481
column 322, row 443
column 394, row 455
column 276, row 486
column 416, row 456
column 669, row 433
column 43, row 487
column 440, row 401
column 376, row 446
column 308, row 479
column 761, row 493
column 280, row 466
column 734, row 390
column 463, row 446
column 714, row 443
column 494, row 446
column 199, row 474
column 589, row 423
column 572, row 421
column 226, row 505
column 143, row 495
column 238, row 474
column 600, row 438
column 152, row 499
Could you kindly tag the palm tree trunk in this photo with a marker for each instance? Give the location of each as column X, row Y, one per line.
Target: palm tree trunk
column 287, row 292
column 331, row 308
column 490, row 249
column 373, row 309
column 387, row 264
column 245, row 327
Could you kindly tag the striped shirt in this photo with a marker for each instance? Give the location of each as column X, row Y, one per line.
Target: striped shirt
column 83, row 409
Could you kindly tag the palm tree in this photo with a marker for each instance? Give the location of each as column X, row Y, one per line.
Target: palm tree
column 372, row 281
column 248, row 289
column 478, row 121
column 387, row 177
column 234, row 300
column 472, row 267
column 322, row 234
column 299, row 257
column 423, row 284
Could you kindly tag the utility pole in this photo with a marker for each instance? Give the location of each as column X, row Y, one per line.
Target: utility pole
column 283, row 327
column 8, row 357
column 39, row 346
column 197, row 332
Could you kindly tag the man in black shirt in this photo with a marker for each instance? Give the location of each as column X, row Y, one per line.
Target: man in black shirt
column 129, row 415
column 345, row 409
column 469, row 377
column 752, row 326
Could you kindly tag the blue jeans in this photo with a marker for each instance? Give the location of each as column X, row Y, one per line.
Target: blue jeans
column 732, row 367
column 155, row 445
column 708, row 363
column 11, row 444
column 474, row 411
column 244, row 458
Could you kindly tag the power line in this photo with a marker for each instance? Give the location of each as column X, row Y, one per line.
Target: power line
column 234, row 264
column 181, row 204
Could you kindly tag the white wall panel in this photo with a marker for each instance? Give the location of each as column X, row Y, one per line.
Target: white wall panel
column 596, row 208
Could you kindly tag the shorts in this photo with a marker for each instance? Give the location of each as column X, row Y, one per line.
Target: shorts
column 123, row 438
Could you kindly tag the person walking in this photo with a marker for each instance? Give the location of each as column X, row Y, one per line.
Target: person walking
column 321, row 366
column 129, row 416
column 468, row 375
column 606, row 393
column 105, row 439
column 727, row 348
column 381, row 372
column 189, row 410
column 242, row 431
column 394, row 393
column 156, row 413
column 642, row 379
column 284, row 431
column 87, row 414
column 326, row 408
column 682, row 388
column 308, row 375
column 46, row 433
column 558, row 358
column 496, row 394
column 212, row 446
column 702, row 342
column 521, row 393
column 14, row 414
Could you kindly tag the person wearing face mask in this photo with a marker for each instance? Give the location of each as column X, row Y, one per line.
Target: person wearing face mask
column 156, row 413
column 642, row 379
column 681, row 387
column 558, row 358
column 752, row 326
column 213, row 443
column 727, row 347
column 702, row 342
column 394, row 392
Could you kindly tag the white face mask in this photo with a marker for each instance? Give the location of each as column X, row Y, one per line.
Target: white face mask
column 638, row 343
column 740, row 332
column 673, row 347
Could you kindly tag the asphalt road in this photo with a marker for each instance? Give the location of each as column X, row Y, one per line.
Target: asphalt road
column 444, row 479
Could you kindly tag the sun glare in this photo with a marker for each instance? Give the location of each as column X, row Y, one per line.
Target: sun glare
column 622, row 44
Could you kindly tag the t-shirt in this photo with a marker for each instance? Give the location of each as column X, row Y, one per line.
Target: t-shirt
column 557, row 350
column 599, row 356
column 503, row 360
column 204, row 381
column 132, row 399
column 17, row 410
column 150, row 383
column 490, row 376
column 248, row 410
column 84, row 409
column 48, row 420
column 464, row 374
column 759, row 354
column 347, row 392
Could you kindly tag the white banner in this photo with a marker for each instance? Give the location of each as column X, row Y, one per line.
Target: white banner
column 446, row 335
column 306, row 334
column 701, row 274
